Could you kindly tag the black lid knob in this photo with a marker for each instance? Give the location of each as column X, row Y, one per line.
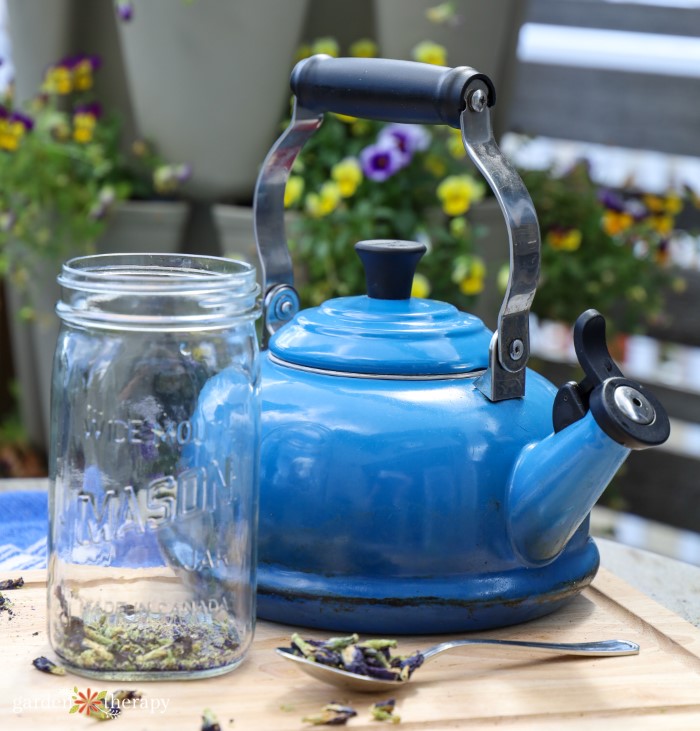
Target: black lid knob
column 389, row 267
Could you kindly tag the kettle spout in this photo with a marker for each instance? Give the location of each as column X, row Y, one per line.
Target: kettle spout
column 555, row 484
column 597, row 422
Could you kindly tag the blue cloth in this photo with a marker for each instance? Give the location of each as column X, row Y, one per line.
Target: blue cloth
column 23, row 529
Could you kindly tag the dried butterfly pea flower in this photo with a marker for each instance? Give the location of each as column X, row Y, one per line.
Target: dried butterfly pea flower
column 334, row 714
column 384, row 711
column 372, row 658
column 209, row 721
column 11, row 584
column 47, row 666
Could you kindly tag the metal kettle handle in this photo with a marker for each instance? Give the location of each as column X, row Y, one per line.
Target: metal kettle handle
column 408, row 92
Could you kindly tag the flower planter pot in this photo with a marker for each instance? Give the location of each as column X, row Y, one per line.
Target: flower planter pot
column 209, row 81
column 135, row 226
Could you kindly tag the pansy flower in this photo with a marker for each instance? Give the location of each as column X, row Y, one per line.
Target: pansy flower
column 325, row 201
column 409, row 138
column 469, row 273
column 125, row 10
column 13, row 127
column 457, row 193
column 381, row 160
column 429, row 52
column 564, row 239
column 348, row 175
column 293, row 190
column 167, row 178
column 83, row 68
column 84, row 121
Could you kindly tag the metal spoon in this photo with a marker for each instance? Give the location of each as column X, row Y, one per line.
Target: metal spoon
column 366, row 684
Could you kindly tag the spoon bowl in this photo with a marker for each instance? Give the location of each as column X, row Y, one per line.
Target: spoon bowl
column 366, row 684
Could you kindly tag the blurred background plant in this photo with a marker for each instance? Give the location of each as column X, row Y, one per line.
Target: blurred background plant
column 358, row 179
column 63, row 169
column 601, row 248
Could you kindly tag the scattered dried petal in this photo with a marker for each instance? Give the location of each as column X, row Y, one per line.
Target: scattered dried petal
column 209, row 721
column 11, row 584
column 384, row 711
column 48, row 666
column 334, row 714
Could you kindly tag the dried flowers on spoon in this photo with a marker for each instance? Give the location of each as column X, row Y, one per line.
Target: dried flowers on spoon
column 369, row 657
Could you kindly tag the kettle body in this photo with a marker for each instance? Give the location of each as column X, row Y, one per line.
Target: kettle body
column 382, row 507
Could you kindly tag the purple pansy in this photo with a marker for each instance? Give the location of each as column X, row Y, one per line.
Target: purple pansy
column 94, row 109
column 23, row 119
column 381, row 160
column 409, row 138
column 125, row 10
column 612, row 200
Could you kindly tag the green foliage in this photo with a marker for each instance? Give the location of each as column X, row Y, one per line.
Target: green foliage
column 62, row 170
column 601, row 249
column 336, row 210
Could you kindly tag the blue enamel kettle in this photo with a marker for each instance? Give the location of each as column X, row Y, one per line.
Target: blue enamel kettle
column 410, row 482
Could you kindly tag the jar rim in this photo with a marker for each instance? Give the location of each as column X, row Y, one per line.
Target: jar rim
column 150, row 273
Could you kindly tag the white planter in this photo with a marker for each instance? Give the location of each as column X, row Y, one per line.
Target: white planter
column 135, row 226
column 145, row 226
column 209, row 81
column 40, row 36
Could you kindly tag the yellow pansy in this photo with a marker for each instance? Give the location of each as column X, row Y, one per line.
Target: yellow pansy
column 12, row 130
column 10, row 135
column 84, row 127
column 469, row 273
column 364, row 48
column 564, row 239
column 673, row 204
column 325, row 201
column 421, row 286
column 662, row 224
column 58, row 80
column 429, row 52
column 294, row 190
column 327, row 45
column 82, row 75
column 457, row 193
column 615, row 223
column 348, row 175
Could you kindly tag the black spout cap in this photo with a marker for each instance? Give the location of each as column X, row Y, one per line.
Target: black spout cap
column 624, row 409
column 389, row 267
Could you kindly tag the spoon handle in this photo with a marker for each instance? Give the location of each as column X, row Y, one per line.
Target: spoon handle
column 604, row 648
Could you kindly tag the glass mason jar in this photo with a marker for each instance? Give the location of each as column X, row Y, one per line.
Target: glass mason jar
column 154, row 466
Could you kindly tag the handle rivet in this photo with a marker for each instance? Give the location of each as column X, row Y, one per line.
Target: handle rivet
column 517, row 349
column 477, row 100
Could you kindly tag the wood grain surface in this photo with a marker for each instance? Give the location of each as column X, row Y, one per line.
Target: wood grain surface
column 471, row 688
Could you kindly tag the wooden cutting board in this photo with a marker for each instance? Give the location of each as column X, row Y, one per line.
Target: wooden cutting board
column 472, row 688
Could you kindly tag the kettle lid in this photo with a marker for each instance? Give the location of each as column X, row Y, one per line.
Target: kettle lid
column 385, row 332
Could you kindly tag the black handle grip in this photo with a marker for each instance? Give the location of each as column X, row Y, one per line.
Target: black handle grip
column 385, row 89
